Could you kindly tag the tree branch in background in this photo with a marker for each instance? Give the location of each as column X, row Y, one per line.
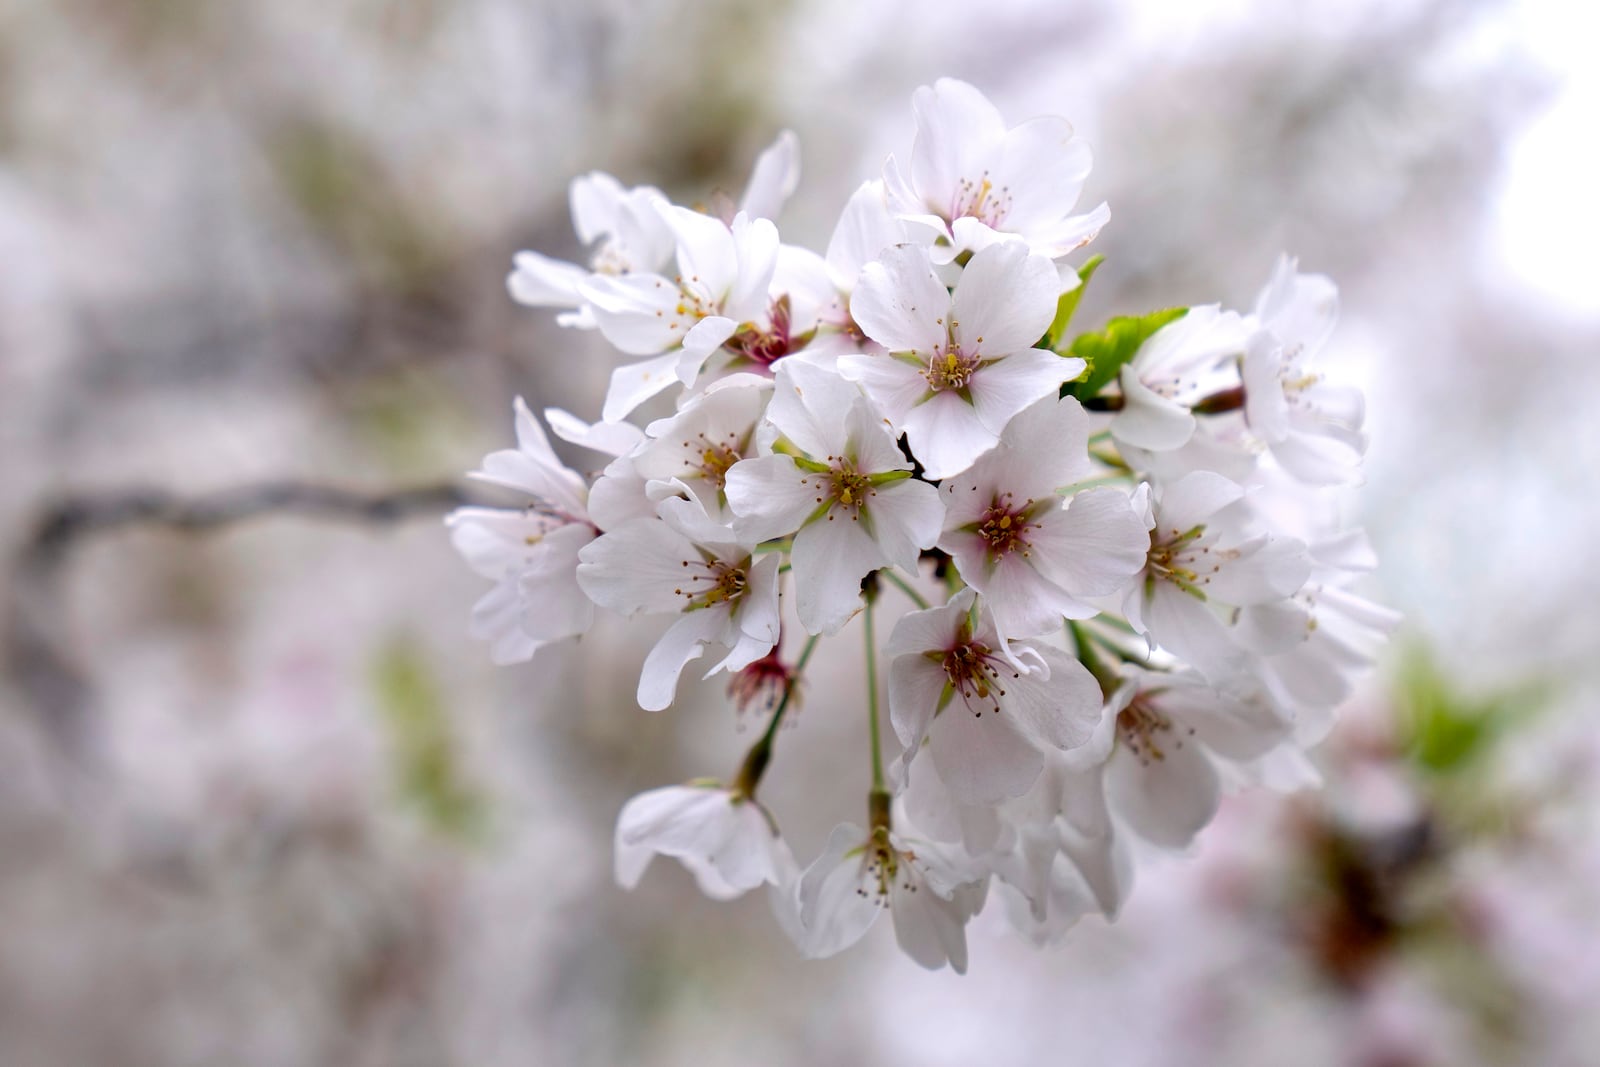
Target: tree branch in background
column 34, row 641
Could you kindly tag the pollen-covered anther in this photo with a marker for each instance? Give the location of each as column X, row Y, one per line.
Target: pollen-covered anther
column 974, row 672
column 981, row 199
column 951, row 369
column 1004, row 526
column 713, row 458
column 849, row 487
column 714, row 582
column 1182, row 559
column 1141, row 727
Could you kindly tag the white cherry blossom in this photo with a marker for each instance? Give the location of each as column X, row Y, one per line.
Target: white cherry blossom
column 1179, row 365
column 727, row 840
column 686, row 563
column 1312, row 426
column 839, row 486
column 626, row 233
column 623, row 227
column 1034, row 557
column 973, row 181
column 722, row 278
column 695, row 448
column 861, row 873
column 958, row 365
column 1203, row 562
column 987, row 718
column 1107, row 662
column 530, row 553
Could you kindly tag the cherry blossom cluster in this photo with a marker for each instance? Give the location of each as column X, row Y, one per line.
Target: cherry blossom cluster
column 1109, row 563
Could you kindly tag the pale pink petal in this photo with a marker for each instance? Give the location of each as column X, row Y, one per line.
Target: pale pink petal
column 982, row 758
column 1166, row 800
column 1003, row 388
column 928, row 928
column 864, row 230
column 958, row 129
column 906, row 516
column 1005, row 300
column 1061, row 709
column 947, row 434
column 833, row 912
column 900, row 303
column 684, row 640
column 830, row 557
column 771, row 497
column 773, row 179
column 1193, row 499
column 895, row 385
column 539, row 281
column 1094, row 548
column 634, row 383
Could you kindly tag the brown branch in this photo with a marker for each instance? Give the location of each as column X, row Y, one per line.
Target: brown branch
column 34, row 655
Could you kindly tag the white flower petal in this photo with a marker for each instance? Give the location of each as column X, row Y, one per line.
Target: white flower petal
column 771, row 497
column 900, row 303
column 634, row 383
column 773, row 179
column 684, row 641
column 947, row 434
column 1003, row 388
column 830, row 557
column 1166, row 800
column 833, row 911
column 1005, row 300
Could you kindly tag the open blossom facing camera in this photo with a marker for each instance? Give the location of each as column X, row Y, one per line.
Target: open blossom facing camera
column 1144, row 597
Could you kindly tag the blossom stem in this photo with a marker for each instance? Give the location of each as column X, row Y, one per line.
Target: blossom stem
column 905, row 587
column 1082, row 639
column 1110, row 459
column 760, row 754
column 872, row 699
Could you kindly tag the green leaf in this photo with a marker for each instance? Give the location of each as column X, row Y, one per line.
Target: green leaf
column 1445, row 731
column 1069, row 303
column 1106, row 351
column 428, row 768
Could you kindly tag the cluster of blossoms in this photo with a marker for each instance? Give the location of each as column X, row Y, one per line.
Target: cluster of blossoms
column 1117, row 581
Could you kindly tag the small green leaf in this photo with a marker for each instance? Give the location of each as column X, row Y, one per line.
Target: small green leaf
column 1106, row 351
column 1069, row 303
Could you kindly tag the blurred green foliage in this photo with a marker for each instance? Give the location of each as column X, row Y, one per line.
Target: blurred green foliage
column 350, row 199
column 1446, row 731
column 427, row 763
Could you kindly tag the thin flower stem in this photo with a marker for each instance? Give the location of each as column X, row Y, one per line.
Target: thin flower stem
column 1082, row 639
column 872, row 702
column 1110, row 458
column 1115, row 622
column 760, row 754
column 788, row 690
column 905, row 587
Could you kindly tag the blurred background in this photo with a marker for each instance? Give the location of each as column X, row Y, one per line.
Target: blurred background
column 263, row 801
